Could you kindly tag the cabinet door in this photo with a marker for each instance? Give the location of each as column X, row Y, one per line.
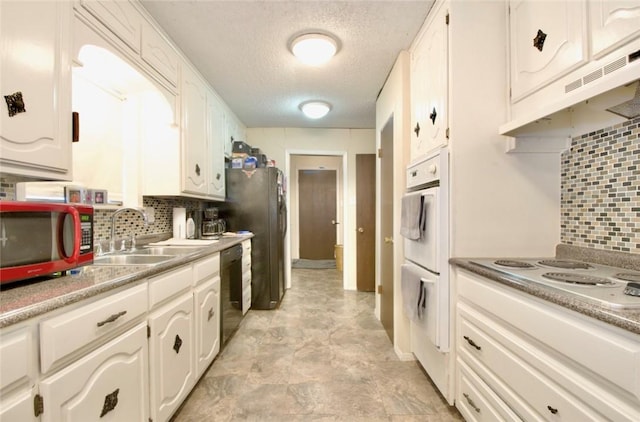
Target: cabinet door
column 171, row 356
column 18, row 372
column 120, row 17
column 429, row 88
column 18, row 407
column 545, row 46
column 215, row 120
column 613, row 22
column 159, row 54
column 194, row 132
column 207, row 299
column 107, row 384
column 34, row 65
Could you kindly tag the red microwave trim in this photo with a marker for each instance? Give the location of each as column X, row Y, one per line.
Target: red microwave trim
column 22, row 272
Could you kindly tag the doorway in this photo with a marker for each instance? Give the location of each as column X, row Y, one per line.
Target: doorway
column 314, row 161
column 386, row 229
column 317, row 213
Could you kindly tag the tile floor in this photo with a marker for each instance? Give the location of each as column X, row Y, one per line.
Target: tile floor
column 322, row 356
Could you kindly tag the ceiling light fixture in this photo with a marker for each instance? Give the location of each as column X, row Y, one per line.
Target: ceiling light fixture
column 315, row 109
column 314, row 49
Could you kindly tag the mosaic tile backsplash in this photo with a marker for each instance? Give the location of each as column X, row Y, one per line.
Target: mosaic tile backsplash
column 600, row 189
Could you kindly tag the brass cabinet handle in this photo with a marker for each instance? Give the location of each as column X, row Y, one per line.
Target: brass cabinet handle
column 472, row 343
column 360, row 230
column 110, row 402
column 471, row 403
column 111, row 318
column 388, row 240
column 177, row 344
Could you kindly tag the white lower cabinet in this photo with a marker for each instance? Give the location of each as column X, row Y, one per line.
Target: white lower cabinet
column 207, row 301
column 246, row 276
column 18, row 369
column 171, row 356
column 520, row 358
column 131, row 355
column 108, row 384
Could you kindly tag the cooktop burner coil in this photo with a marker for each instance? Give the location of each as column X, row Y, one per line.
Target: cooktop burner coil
column 567, row 265
column 513, row 263
column 581, row 279
column 634, row 277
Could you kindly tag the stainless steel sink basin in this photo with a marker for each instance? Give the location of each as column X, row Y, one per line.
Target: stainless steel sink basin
column 166, row 250
column 132, row 259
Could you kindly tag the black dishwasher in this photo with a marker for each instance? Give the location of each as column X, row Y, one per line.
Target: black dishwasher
column 231, row 291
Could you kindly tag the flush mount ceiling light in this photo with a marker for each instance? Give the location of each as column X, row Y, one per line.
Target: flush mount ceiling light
column 314, row 49
column 315, row 109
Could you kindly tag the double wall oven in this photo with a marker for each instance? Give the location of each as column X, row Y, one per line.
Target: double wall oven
column 425, row 273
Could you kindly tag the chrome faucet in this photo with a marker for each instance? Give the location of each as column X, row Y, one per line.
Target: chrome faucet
column 112, row 239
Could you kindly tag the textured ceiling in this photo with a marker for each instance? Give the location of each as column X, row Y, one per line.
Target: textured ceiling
column 241, row 48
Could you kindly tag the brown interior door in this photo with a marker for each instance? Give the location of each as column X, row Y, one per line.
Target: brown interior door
column 366, row 221
column 386, row 229
column 317, row 213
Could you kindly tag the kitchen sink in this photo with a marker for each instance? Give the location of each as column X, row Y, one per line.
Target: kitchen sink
column 166, row 250
column 132, row 259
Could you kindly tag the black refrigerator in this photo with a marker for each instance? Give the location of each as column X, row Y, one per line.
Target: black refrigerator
column 256, row 202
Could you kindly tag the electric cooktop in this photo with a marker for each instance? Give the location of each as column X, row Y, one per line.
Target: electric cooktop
column 611, row 287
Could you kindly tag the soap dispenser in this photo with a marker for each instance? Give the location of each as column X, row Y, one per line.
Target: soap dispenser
column 191, row 227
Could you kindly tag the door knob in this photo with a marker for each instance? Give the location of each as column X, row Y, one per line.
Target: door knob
column 388, row 240
column 334, row 222
column 360, row 230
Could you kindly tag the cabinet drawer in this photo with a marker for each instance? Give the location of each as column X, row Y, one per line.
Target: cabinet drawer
column 476, row 401
column 63, row 335
column 246, row 262
column 206, row 268
column 116, row 373
column 246, row 247
column 549, row 387
column 170, row 284
column 613, row 356
column 17, row 354
column 545, row 397
column 246, row 279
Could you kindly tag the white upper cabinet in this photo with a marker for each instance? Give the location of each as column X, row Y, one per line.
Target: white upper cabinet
column 194, row 132
column 548, row 40
column 216, row 139
column 35, row 70
column 429, row 70
column 613, row 22
column 159, row 54
column 120, row 17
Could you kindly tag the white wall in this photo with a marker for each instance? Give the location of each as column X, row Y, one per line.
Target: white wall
column 279, row 143
column 313, row 162
column 394, row 101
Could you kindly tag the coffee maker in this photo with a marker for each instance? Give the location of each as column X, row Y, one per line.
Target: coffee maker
column 212, row 225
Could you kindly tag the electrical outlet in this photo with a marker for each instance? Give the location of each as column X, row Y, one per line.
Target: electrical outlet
column 151, row 216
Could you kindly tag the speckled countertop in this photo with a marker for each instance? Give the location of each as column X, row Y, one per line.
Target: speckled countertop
column 26, row 300
column 626, row 319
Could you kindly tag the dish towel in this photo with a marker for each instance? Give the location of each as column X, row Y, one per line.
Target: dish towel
column 411, row 217
column 413, row 300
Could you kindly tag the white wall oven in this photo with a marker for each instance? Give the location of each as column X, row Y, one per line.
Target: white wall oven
column 426, row 290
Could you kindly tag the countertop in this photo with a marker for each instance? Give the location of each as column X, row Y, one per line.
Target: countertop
column 626, row 319
column 25, row 300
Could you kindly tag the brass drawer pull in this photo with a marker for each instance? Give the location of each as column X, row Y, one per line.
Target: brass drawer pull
column 111, row 318
column 471, row 403
column 472, row 343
